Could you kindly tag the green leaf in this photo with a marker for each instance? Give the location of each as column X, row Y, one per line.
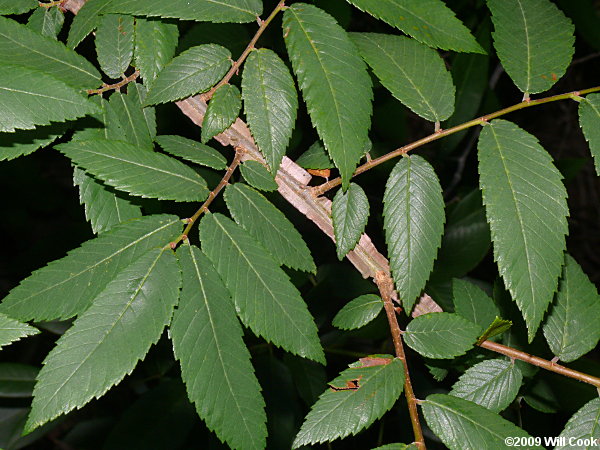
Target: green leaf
column 24, row 47
column 114, row 44
column 571, row 328
column 270, row 104
column 12, row 330
column 534, row 41
column 13, row 145
column 441, row 335
column 29, row 98
column 103, row 207
column 222, row 110
column 191, row 72
column 309, row 377
column 131, row 169
column 155, row 44
column 462, row 424
column 413, row 212
column 192, row 151
column 17, row 6
column 583, row 425
column 265, row 299
column 589, row 120
column 498, row 326
column 108, row 339
column 414, row 73
column 334, row 83
column 137, row 123
column 200, row 10
column 258, row 176
column 315, row 158
column 350, row 212
column 269, row 227
column 17, row 380
column 341, row 412
column 358, row 312
column 473, row 304
column 526, row 208
column 219, row 377
column 86, row 20
column 493, row 384
column 428, row 21
column 66, row 287
column 47, row 21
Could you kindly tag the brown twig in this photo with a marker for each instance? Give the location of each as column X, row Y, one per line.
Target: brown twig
column 107, row 87
column 51, row 4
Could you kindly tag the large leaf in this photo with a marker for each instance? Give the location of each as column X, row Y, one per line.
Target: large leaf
column 342, row 410
column 29, row 98
column 349, row 212
column 413, row 212
column 584, row 425
column 473, row 304
column 191, row 72
column 47, row 21
column 103, row 207
column 131, row 169
column 441, row 335
column 270, row 103
column 67, row 286
column 222, row 110
column 155, row 44
column 414, row 73
column 21, row 46
column 526, row 208
column 589, row 119
column 114, row 44
column 17, row 6
column 215, row 364
column 534, row 41
column 200, row 10
column 269, row 226
column 493, row 384
column 462, row 424
column 358, row 312
column 265, row 299
column 192, row 151
column 13, row 145
column 334, row 83
column 86, row 20
column 137, row 123
column 428, row 21
column 571, row 328
column 107, row 340
column 12, row 330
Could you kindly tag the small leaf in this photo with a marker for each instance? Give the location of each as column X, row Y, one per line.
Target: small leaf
column 571, row 328
column 86, row 20
column 268, row 226
column 114, row 44
column 13, row 145
column 583, row 425
column 17, row 6
column 473, row 304
column 358, row 312
column 192, row 151
column 334, row 83
column 463, row 424
column 341, row 410
column 270, row 103
column 350, row 212
column 428, row 21
column 223, row 109
column 12, row 330
column 47, row 21
column 219, row 377
column 128, row 168
column 24, row 47
column 493, row 384
column 29, row 98
column 191, row 72
column 315, row 158
column 534, row 41
column 526, row 208
column 155, row 44
column 498, row 326
column 17, row 380
column 136, row 122
column 258, row 176
column 441, row 335
column 265, row 299
column 130, row 313
column 414, row 73
column 413, row 212
column 66, row 287
column 589, row 120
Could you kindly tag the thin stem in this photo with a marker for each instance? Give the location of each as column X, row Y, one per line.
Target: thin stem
column 540, row 362
column 107, row 87
column 575, row 95
column 236, row 66
column 386, row 286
